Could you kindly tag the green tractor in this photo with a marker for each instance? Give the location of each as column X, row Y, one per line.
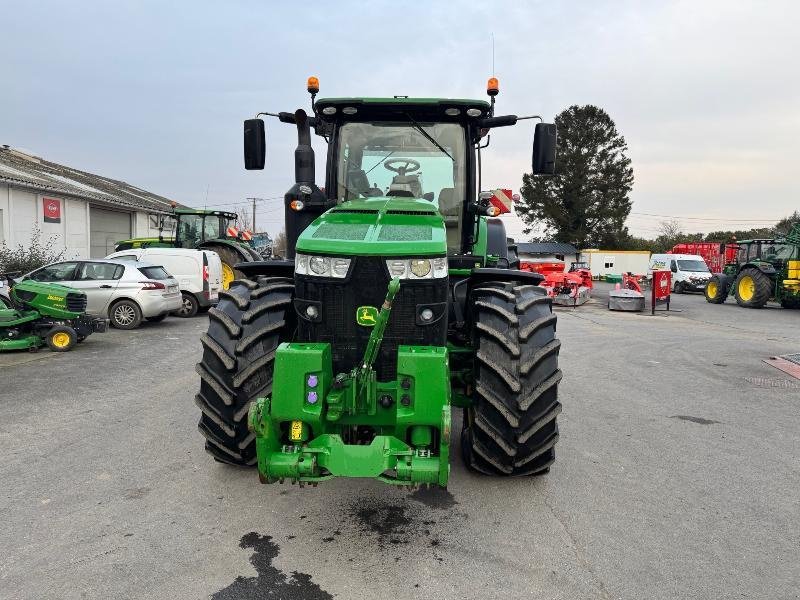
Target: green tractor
column 34, row 314
column 203, row 229
column 398, row 305
column 764, row 269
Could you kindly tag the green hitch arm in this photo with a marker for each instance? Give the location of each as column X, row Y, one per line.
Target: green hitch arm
column 376, row 337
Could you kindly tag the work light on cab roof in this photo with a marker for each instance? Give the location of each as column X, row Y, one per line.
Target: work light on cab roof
column 398, row 299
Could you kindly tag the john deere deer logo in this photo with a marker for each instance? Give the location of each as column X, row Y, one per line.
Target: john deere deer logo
column 366, row 316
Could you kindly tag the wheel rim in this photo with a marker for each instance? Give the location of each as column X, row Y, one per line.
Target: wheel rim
column 711, row 289
column 227, row 276
column 186, row 307
column 747, row 288
column 124, row 315
column 60, row 340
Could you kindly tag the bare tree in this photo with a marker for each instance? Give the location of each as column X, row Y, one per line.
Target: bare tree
column 244, row 218
column 279, row 244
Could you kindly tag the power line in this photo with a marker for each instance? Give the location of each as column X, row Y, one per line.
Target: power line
column 744, row 220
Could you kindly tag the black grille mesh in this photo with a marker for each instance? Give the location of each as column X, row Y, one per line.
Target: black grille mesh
column 76, row 302
column 367, row 286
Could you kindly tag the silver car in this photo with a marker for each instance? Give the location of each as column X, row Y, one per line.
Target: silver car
column 124, row 291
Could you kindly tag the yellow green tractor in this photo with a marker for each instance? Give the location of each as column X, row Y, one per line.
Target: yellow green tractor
column 400, row 304
column 207, row 230
column 764, row 270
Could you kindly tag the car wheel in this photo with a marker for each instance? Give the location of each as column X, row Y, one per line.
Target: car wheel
column 678, row 287
column 125, row 314
column 189, row 306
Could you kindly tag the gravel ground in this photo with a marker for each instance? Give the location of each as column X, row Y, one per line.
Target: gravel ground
column 677, row 477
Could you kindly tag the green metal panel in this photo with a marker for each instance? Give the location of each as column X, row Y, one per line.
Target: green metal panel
column 377, row 227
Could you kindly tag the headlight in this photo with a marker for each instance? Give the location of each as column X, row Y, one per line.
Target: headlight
column 321, row 266
column 417, row 268
column 420, row 266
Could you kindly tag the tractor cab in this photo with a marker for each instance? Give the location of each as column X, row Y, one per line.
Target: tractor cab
column 195, row 227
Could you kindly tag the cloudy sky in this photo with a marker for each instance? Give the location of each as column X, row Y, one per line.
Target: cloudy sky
column 706, row 93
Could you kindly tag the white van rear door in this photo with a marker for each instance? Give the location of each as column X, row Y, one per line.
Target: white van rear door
column 213, row 266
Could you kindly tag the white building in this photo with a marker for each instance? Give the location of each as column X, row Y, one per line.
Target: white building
column 547, row 252
column 616, row 262
column 79, row 211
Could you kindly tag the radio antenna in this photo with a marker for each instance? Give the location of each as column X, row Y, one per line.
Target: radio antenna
column 493, row 73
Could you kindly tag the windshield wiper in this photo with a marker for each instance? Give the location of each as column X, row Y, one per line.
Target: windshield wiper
column 419, row 128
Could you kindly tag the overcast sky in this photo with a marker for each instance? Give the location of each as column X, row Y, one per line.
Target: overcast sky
column 707, row 94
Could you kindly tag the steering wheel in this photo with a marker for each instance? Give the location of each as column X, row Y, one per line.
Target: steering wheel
column 410, row 165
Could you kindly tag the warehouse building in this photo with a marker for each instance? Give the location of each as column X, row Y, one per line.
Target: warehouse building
column 547, row 252
column 79, row 211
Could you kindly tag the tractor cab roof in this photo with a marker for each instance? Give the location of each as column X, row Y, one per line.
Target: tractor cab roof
column 198, row 211
column 399, row 108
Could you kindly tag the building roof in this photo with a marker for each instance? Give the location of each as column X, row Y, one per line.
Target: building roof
column 546, row 248
column 25, row 170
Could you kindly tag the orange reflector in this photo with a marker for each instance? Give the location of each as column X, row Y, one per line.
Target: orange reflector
column 493, row 86
column 492, row 211
column 313, row 85
column 296, row 205
column 232, row 232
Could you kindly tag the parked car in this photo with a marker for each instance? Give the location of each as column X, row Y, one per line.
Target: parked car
column 124, row 291
column 199, row 273
column 689, row 271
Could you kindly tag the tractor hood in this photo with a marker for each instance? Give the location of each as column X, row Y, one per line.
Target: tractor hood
column 385, row 226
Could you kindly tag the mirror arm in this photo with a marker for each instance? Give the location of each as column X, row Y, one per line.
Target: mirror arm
column 531, row 117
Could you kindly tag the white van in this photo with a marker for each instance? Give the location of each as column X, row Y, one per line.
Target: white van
column 199, row 273
column 689, row 271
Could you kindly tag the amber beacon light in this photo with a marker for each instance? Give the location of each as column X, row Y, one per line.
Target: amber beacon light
column 493, row 86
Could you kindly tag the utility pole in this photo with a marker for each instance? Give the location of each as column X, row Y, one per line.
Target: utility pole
column 254, row 211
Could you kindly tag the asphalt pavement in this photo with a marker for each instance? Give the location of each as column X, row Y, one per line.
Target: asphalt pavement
column 676, row 476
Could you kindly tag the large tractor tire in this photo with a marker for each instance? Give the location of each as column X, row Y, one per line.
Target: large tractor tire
column 752, row 288
column 244, row 330
column 511, row 428
column 229, row 258
column 716, row 290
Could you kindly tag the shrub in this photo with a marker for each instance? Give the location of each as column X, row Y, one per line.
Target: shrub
column 37, row 254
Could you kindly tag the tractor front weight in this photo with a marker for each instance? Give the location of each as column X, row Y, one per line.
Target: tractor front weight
column 316, row 426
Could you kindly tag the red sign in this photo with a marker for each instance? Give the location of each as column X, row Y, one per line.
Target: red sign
column 52, row 210
column 662, row 286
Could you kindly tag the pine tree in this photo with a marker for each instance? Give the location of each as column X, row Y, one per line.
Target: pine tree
column 587, row 203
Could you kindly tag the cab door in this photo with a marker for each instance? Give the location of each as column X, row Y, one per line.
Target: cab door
column 98, row 280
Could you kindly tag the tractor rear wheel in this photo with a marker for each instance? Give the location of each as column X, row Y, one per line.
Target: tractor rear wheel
column 244, row 330
column 229, row 257
column 716, row 289
column 511, row 428
column 752, row 288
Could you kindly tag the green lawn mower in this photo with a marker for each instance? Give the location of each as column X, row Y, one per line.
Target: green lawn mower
column 33, row 314
column 401, row 302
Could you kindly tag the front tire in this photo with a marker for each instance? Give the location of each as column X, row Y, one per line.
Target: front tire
column 61, row 338
column 511, row 428
column 244, row 331
column 752, row 288
column 125, row 314
column 716, row 290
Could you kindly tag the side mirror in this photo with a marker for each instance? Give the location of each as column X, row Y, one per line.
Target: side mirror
column 544, row 149
column 255, row 144
column 674, row 268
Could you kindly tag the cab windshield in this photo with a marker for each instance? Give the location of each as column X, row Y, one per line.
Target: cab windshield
column 693, row 266
column 406, row 159
column 195, row 229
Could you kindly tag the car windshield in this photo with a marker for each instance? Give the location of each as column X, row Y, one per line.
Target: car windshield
column 154, row 273
column 405, row 159
column 695, row 266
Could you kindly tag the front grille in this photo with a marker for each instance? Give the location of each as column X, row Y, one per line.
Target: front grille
column 366, row 286
column 76, row 302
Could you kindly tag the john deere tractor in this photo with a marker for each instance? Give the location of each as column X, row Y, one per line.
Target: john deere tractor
column 764, row 269
column 398, row 306
column 34, row 314
column 203, row 229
